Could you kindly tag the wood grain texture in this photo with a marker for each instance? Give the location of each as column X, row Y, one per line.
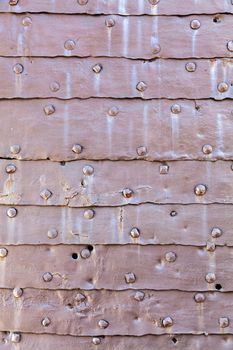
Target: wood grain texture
column 125, row 7
column 70, row 316
column 173, row 34
column 118, row 78
column 105, row 187
column 138, row 123
column 191, row 225
column 108, row 267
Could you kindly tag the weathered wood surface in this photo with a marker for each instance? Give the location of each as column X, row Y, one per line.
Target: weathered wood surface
column 50, row 183
column 70, row 316
column 138, row 123
column 119, row 78
column 190, row 225
column 174, row 35
column 108, row 267
column 123, row 7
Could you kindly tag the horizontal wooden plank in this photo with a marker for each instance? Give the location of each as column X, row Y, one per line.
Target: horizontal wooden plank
column 70, row 315
column 88, row 267
column 109, row 183
column 22, row 36
column 134, row 125
column 123, row 7
column 157, row 224
column 73, row 77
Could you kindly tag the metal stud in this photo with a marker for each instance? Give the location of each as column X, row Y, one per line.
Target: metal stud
column 216, row 232
column 167, row 321
column 88, row 170
column 26, row 21
column 210, row 246
column 142, row 151
column 15, row 337
column 223, row 87
column 10, row 169
column 85, row 253
column 113, row 111
column 207, row 149
column 230, row 45
column 127, row 192
column 163, row 169
column 154, row 2
column 135, row 232
column 141, row 86
column 130, row 277
column 173, row 213
column 89, row 214
column 54, row 86
column 109, row 22
column 18, row 68
column 52, row 233
column 210, row 277
column 46, row 322
column 82, row 2
column 103, row 324
column 15, row 149
column 17, row 292
column 77, row 148
column 199, row 298
column 195, row 24
column 176, row 109
column 200, row 190
column 139, row 296
column 69, row 45
column 49, row 109
column 11, row 212
column 80, row 297
column 170, row 257
column 46, row 194
column 47, row 277
column 223, row 322
column 156, row 48
column 97, row 68
column 13, row 2
column 96, row 341
column 190, row 67
column 3, row 252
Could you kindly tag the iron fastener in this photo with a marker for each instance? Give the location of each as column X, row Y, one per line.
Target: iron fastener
column 69, row 45
column 52, row 233
column 80, row 297
column 10, row 169
column 88, row 170
column 54, row 86
column 89, row 214
column 200, row 190
column 170, row 257
column 15, row 149
column 210, row 277
column 142, row 151
column 135, row 232
column 15, row 337
column 176, row 108
column 154, row 2
column 230, row 45
column 82, row 2
column 127, row 192
column 113, row 111
column 96, row 341
column 46, row 194
column 141, row 86
column 11, row 212
column 109, row 22
column 85, row 253
column 163, row 169
column 139, row 296
column 190, row 67
column 49, row 109
column 167, row 321
column 97, row 68
column 223, row 87
column 47, row 277
column 210, row 246
column 195, row 24
column 103, row 324
column 207, row 149
column 216, row 232
column 156, row 48
column 77, row 149
column 3, row 252
column 17, row 292
column 46, row 322
column 18, row 68
column 130, row 277
column 199, row 298
column 223, row 322
column 26, row 21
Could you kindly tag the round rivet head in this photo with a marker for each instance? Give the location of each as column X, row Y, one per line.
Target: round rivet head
column 195, row 24
column 103, row 324
column 135, row 232
column 154, row 2
column 175, row 109
column 49, row 109
column 11, row 212
column 210, row 246
column 167, row 322
column 77, row 149
column 13, row 2
column 46, row 194
column 163, row 169
column 52, row 233
column 223, row 87
column 156, row 48
column 15, row 149
column 130, row 277
column 15, row 337
column 3, row 252
column 141, row 86
column 127, row 192
column 113, row 111
column 80, row 297
column 10, row 169
column 18, row 68
column 210, row 277
column 96, row 341
column 89, row 214
column 170, row 257
column 109, row 22
column 88, row 170
column 142, row 151
column 97, row 68
column 17, row 292
column 26, row 21
column 223, row 322
column 230, row 45
column 216, row 232
column 199, row 298
column 190, row 67
column 69, row 45
column 200, row 190
column 85, row 253
column 173, row 213
column 207, row 149
column 45, row 322
column 47, row 277
column 139, row 296
column 82, row 2
column 54, row 86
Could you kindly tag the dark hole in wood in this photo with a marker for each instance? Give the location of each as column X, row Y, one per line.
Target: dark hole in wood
column 74, row 256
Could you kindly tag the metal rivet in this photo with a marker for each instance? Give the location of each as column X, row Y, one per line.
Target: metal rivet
column 85, row 253
column 141, row 86
column 176, row 109
column 130, row 277
column 199, row 298
column 154, row 2
column 96, row 341
column 47, row 277
column 195, row 24
column 167, row 322
column 223, row 322
column 77, row 149
column 10, row 169
column 216, row 232
column 52, row 233
column 163, row 169
column 88, row 170
column 3, row 252
column 15, row 337
column 139, row 296
column 207, row 149
column 45, row 194
column 26, row 21
column 127, row 192
column 135, row 232
column 97, row 68
column 109, row 22
column 80, row 297
column 69, row 44
column 190, row 67
column 13, row 2
column 17, row 292
column 156, row 48
column 11, row 212
column 103, row 324
column 82, row 2
column 54, row 86
column 142, row 151
column 49, row 109
column 15, row 149
column 210, row 277
column 113, row 111
column 45, row 322
column 170, row 257
column 173, row 213
column 18, row 68
column 89, row 214
column 230, row 45
column 210, row 246
column 223, row 87
column 200, row 190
